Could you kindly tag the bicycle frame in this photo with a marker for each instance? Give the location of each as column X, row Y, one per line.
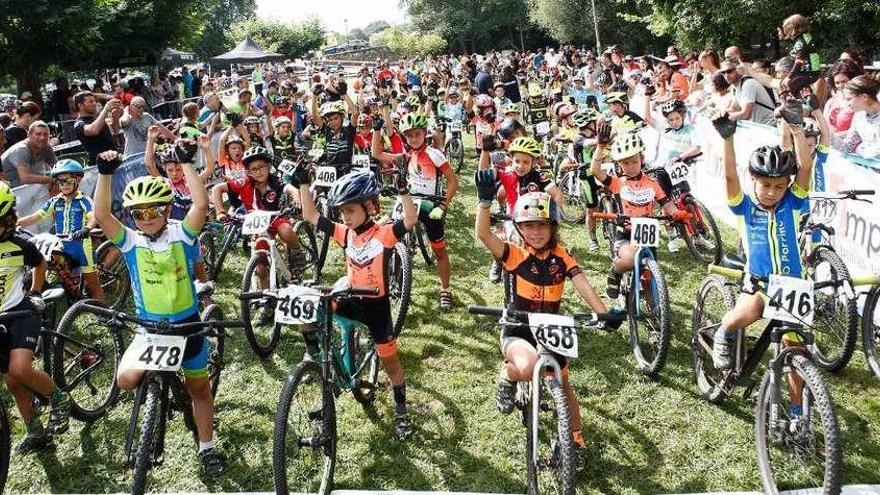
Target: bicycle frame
column 641, row 253
column 341, row 358
column 273, row 255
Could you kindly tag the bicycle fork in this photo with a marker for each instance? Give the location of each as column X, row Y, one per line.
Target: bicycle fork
column 543, row 363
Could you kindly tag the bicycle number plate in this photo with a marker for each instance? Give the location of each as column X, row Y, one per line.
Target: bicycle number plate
column 455, row 126
column 542, row 128
column 154, row 352
column 256, row 222
column 47, row 244
column 397, row 212
column 555, row 332
column 823, row 212
column 678, row 172
column 791, row 300
column 645, row 232
column 286, row 166
column 297, row 305
column 325, row 176
column 361, row 162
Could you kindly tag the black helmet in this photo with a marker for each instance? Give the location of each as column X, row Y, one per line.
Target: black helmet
column 356, row 187
column 772, row 162
column 508, row 127
column 256, row 153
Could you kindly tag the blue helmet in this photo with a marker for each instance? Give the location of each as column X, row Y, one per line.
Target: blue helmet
column 356, row 187
column 67, row 166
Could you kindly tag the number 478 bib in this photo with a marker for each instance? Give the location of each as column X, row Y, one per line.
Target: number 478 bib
column 791, row 300
column 154, row 352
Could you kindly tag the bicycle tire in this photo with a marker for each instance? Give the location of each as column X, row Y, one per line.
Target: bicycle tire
column 359, row 345
column 421, row 238
column 704, row 221
column 309, row 245
column 216, row 347
column 326, row 429
column 566, row 184
column 143, row 459
column 5, row 447
column 400, row 285
column 871, row 332
column 115, row 276
column 263, row 349
column 823, row 406
column 565, row 463
column 456, row 154
column 707, row 314
column 322, row 240
column 609, row 231
column 651, row 364
column 70, row 356
column 208, row 247
column 834, row 346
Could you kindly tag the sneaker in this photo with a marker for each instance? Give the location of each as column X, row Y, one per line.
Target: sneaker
column 612, row 289
column 674, row 244
column 402, row 426
column 212, row 464
column 722, row 352
column 505, row 395
column 204, row 288
column 445, row 300
column 495, row 272
column 59, row 416
column 267, row 315
column 703, row 242
column 34, row 443
column 593, row 244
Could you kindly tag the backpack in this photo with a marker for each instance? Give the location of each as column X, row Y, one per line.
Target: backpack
column 769, row 94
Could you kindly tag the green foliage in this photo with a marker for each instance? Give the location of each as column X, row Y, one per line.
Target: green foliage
column 287, row 39
column 402, row 43
column 471, row 24
column 374, row 27
column 214, row 39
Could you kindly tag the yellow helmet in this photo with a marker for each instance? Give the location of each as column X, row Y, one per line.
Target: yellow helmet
column 147, row 190
column 7, row 199
column 332, row 107
column 527, row 145
column 626, row 145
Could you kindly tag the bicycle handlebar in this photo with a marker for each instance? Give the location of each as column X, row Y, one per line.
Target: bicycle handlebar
column 523, row 315
column 619, row 217
column 733, row 273
column 165, row 326
column 20, row 313
column 325, row 291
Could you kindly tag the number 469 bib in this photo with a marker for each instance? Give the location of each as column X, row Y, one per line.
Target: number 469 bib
column 791, row 300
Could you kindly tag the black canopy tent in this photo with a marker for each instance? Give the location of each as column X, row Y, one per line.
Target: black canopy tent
column 246, row 52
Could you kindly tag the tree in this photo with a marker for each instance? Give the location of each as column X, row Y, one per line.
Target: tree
column 375, row 27
column 471, row 25
column 358, row 34
column 292, row 40
column 401, row 43
column 214, row 39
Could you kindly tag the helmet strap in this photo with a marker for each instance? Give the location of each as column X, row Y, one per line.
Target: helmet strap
column 9, row 221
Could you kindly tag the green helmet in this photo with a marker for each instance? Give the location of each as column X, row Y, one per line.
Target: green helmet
column 414, row 120
column 7, row 199
column 617, row 97
column 332, row 107
column 582, row 119
column 527, row 145
column 626, row 145
column 414, row 102
column 147, row 190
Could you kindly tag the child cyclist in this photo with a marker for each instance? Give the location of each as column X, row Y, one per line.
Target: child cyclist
column 580, row 152
column 160, row 254
column 425, row 165
column 367, row 245
column 539, row 268
column 636, row 190
column 18, row 343
column 71, row 211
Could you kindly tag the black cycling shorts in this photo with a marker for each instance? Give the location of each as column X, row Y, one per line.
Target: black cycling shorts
column 21, row 333
column 509, row 333
column 374, row 312
column 436, row 229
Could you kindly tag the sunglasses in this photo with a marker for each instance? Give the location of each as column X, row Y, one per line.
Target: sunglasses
column 70, row 181
column 149, row 212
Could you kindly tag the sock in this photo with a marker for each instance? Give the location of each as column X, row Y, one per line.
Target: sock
column 203, row 446
column 578, row 437
column 34, row 427
column 725, row 334
column 400, row 398
column 796, row 410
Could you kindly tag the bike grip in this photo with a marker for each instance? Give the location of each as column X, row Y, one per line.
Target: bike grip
column 866, row 280
column 600, row 215
column 364, row 291
column 485, row 310
column 860, row 192
column 246, row 296
column 725, row 272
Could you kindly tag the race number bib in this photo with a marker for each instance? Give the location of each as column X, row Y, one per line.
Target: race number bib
column 397, row 212
column 154, row 352
column 297, row 305
column 361, row 162
column 791, row 300
column 542, row 128
column 678, row 172
column 645, row 232
column 286, row 166
column 455, row 126
column 256, row 222
column 325, row 176
column 47, row 244
column 555, row 332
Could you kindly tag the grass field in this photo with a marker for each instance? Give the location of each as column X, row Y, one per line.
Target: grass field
column 643, row 436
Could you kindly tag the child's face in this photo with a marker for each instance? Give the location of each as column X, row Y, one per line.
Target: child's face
column 522, row 163
column 415, row 138
column 675, row 120
column 812, row 143
column 152, row 226
column 631, row 166
column 536, row 234
column 335, row 120
column 354, row 214
column 67, row 183
column 235, row 151
column 258, row 171
column 283, row 130
column 769, row 191
column 174, row 172
column 617, row 108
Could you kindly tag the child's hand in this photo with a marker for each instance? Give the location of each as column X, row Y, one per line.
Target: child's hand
column 204, row 142
column 154, row 131
column 107, row 162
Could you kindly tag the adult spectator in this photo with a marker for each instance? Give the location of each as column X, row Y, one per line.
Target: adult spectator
column 213, row 105
column 29, row 161
column 122, row 92
column 135, row 123
column 62, row 98
column 837, row 109
column 539, row 59
column 863, row 138
column 552, row 59
column 27, row 113
column 673, row 82
column 483, row 80
column 91, row 127
column 196, row 83
column 511, row 85
column 243, row 105
column 157, row 90
column 753, row 101
column 734, row 52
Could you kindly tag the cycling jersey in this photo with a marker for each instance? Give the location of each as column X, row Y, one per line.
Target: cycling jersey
column 15, row 254
column 537, row 113
column 182, row 201
column 537, row 279
column 675, row 142
column 579, row 153
column 338, row 147
column 770, row 236
column 624, row 122
column 68, row 215
column 818, row 182
column 637, row 194
column 367, row 251
column 363, row 144
column 282, row 148
column 426, row 168
column 161, row 271
column 516, row 185
column 232, row 170
column 452, row 112
column 253, row 199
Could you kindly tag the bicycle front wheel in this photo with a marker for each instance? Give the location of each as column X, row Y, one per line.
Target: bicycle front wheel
column 309, row 247
column 796, row 452
column 424, row 245
column 216, row 345
column 112, row 274
column 144, row 458
column 701, row 233
column 258, row 315
column 715, row 298
column 871, row 331
column 85, row 356
column 550, row 463
column 836, row 315
column 574, row 209
column 5, row 447
column 304, row 440
column 208, row 247
column 649, row 330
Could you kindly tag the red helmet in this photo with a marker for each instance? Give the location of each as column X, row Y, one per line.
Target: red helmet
column 365, row 120
column 484, row 101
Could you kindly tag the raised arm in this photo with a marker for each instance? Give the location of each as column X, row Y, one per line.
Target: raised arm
column 195, row 218
column 150, row 151
column 208, row 156
column 103, row 199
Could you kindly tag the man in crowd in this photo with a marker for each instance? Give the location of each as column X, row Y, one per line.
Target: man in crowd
column 91, row 127
column 27, row 113
column 753, row 101
column 484, row 80
column 29, row 160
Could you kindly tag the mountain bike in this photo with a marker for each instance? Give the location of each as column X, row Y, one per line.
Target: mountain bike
column 608, row 204
column 700, row 233
column 836, row 332
column 793, row 451
column 305, row 435
column 217, row 240
column 871, row 328
column 645, row 292
column 274, row 259
column 551, row 460
column 454, row 148
column 161, row 392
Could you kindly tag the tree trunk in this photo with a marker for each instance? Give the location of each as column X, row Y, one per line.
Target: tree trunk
column 28, row 79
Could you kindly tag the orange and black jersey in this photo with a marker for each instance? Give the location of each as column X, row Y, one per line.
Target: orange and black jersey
column 537, row 279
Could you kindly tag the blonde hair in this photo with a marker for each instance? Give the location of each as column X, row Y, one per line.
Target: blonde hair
column 795, row 25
